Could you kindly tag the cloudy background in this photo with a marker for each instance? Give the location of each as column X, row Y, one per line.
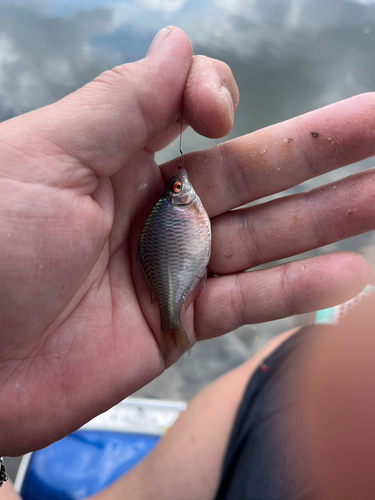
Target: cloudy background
column 288, row 56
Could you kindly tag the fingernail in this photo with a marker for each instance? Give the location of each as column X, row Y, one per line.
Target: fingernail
column 227, row 94
column 158, row 40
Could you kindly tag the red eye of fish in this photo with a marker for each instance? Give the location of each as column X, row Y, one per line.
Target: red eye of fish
column 177, row 187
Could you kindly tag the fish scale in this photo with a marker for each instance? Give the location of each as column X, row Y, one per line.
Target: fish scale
column 174, row 250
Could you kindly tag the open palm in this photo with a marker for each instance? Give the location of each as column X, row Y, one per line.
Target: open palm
column 78, row 178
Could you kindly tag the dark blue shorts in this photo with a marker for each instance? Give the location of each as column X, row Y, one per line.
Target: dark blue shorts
column 265, row 459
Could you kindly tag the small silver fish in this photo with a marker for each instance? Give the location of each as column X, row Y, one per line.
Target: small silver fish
column 173, row 253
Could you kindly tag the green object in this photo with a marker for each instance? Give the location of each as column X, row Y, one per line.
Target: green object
column 325, row 316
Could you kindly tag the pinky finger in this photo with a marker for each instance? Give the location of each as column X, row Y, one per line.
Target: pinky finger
column 297, row 287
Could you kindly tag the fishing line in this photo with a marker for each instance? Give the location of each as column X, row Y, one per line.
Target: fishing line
column 182, row 154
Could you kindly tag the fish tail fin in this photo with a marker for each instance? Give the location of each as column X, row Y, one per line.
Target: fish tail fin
column 174, row 339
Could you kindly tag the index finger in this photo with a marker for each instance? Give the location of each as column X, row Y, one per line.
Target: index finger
column 281, row 156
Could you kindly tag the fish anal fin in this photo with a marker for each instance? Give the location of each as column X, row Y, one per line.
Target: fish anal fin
column 172, row 340
column 197, row 290
column 143, row 273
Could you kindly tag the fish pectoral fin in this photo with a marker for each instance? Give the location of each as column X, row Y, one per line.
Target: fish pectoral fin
column 143, row 273
column 196, row 291
column 174, row 339
column 196, row 206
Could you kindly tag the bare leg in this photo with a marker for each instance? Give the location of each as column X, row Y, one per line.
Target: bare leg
column 7, row 492
column 186, row 463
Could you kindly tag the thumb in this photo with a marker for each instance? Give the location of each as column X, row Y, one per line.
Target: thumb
column 108, row 121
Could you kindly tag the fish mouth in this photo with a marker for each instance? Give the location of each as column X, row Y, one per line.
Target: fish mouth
column 184, row 204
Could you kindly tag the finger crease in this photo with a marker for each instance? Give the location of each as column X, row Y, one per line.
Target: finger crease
column 311, row 160
column 226, row 173
column 287, row 298
column 249, row 239
column 317, row 225
column 239, row 301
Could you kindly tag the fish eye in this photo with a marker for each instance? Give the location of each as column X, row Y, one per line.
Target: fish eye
column 177, row 186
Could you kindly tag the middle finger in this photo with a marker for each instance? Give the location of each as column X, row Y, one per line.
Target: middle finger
column 281, row 156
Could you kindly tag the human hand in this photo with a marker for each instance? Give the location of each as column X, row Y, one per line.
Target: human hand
column 78, row 180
